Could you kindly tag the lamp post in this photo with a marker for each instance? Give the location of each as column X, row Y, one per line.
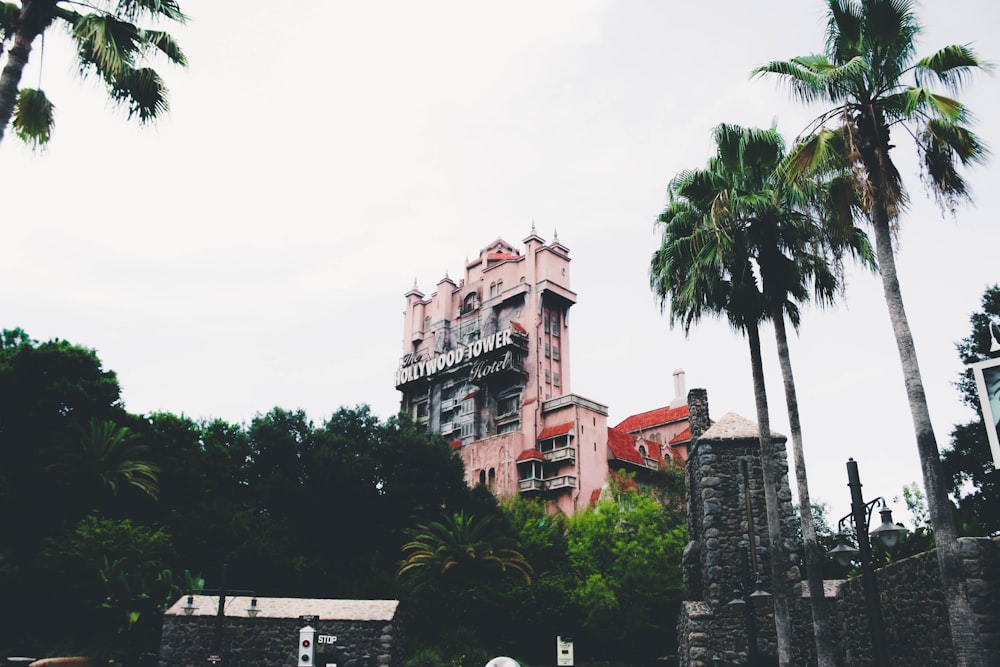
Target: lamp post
column 745, row 597
column 888, row 532
column 252, row 611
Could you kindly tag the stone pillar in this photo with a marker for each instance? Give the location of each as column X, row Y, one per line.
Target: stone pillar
column 726, row 518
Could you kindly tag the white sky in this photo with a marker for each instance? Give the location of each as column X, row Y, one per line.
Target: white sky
column 252, row 248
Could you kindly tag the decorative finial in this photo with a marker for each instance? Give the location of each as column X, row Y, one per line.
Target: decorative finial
column 555, row 235
column 532, row 225
column 414, row 282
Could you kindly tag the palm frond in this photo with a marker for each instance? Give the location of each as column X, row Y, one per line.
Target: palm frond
column 133, row 9
column 33, row 117
column 9, row 17
column 106, row 43
column 950, row 66
column 166, row 44
column 141, row 91
column 845, row 20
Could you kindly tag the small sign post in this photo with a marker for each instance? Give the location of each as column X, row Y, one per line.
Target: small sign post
column 564, row 651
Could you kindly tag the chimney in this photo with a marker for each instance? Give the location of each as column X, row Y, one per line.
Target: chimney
column 679, row 389
column 698, row 420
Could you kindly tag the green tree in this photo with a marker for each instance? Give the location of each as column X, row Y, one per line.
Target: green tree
column 461, row 548
column 624, row 555
column 104, row 459
column 49, row 392
column 109, row 44
column 870, row 49
column 974, row 482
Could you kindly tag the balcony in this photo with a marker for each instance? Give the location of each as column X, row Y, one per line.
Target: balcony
column 448, row 427
column 560, row 482
column 530, row 485
column 560, row 454
column 449, row 404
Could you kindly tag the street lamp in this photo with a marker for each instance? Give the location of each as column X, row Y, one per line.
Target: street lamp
column 745, row 597
column 888, row 533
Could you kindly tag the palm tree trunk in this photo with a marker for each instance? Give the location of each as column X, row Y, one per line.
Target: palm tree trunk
column 964, row 629
column 776, row 551
column 814, row 560
column 29, row 27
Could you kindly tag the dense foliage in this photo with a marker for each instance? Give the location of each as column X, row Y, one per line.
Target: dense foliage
column 108, row 517
column 975, row 483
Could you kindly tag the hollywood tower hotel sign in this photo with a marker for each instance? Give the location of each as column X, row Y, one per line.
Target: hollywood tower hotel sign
column 486, row 363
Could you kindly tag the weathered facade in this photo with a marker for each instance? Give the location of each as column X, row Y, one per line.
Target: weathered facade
column 364, row 633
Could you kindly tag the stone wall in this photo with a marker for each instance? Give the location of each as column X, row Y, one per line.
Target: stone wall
column 273, row 642
column 916, row 620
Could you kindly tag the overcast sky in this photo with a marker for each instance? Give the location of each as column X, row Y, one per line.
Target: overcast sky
column 252, row 249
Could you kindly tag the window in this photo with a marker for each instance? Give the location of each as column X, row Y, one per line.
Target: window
column 471, row 302
column 499, row 287
column 420, row 410
column 510, row 427
column 548, row 350
column 468, row 429
column 555, row 326
column 555, row 379
column 492, row 480
column 468, row 406
column 555, row 352
column 427, row 323
column 482, row 477
column 548, row 376
column 508, row 405
column 642, row 451
column 493, row 290
column 546, row 323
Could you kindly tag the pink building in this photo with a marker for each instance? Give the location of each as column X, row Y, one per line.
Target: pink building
column 486, row 363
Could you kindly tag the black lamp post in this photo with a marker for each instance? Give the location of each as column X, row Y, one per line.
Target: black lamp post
column 888, row 532
column 747, row 593
column 745, row 597
column 252, row 611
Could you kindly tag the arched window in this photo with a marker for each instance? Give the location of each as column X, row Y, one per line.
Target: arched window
column 482, row 477
column 471, row 302
column 493, row 478
column 642, row 451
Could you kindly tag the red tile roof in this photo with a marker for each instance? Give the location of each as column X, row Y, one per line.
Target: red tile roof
column 654, row 450
column 646, row 420
column 683, row 436
column 595, row 495
column 622, row 447
column 456, row 444
column 553, row 431
column 530, row 455
column 516, row 326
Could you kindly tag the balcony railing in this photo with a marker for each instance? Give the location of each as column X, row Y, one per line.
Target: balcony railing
column 560, row 454
column 561, row 482
column 529, row 485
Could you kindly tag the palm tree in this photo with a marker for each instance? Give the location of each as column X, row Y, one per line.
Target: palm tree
column 796, row 234
column 108, row 43
column 704, row 266
column 870, row 49
column 105, row 458
column 460, row 548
